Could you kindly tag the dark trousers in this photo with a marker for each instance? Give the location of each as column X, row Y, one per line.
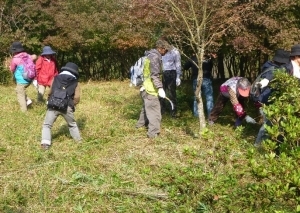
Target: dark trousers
column 169, row 85
column 219, row 106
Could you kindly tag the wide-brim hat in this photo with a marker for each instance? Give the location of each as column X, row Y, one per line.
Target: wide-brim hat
column 295, row 50
column 16, row 47
column 281, row 56
column 47, row 51
column 163, row 44
column 72, row 68
column 243, row 87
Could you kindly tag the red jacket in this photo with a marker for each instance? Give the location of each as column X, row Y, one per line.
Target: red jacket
column 45, row 70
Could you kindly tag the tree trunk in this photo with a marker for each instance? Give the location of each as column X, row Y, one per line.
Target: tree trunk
column 202, row 121
column 221, row 70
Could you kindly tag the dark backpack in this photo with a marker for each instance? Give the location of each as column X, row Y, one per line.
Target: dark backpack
column 59, row 98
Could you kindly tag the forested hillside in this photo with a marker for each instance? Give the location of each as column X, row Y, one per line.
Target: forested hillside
column 106, row 37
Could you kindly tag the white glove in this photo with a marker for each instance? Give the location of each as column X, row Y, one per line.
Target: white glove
column 161, row 93
column 178, row 81
column 250, row 120
column 142, row 89
column 264, row 82
column 261, row 111
column 34, row 82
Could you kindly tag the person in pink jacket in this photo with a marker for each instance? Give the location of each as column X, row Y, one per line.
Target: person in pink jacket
column 17, row 68
column 46, row 69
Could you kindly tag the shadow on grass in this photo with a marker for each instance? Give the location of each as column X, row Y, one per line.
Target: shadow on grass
column 64, row 130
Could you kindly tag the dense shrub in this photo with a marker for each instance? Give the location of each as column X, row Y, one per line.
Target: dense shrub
column 284, row 112
column 277, row 169
column 5, row 76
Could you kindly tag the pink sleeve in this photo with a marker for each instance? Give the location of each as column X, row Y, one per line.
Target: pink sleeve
column 14, row 63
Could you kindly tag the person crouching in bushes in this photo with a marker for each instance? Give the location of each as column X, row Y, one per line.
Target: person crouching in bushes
column 263, row 91
column 17, row 68
column 235, row 89
column 65, row 83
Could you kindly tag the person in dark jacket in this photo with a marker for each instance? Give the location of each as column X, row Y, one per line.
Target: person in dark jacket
column 68, row 77
column 280, row 59
column 206, row 87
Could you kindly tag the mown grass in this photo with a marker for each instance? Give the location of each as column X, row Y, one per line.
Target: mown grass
column 117, row 168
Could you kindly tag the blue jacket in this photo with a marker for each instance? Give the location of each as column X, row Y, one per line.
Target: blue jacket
column 268, row 69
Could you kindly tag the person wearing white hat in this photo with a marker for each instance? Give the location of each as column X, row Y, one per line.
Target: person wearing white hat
column 46, row 70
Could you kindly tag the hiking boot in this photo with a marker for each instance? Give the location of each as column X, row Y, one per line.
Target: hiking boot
column 45, row 146
column 153, row 136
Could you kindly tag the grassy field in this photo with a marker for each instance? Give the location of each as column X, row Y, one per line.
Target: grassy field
column 117, row 168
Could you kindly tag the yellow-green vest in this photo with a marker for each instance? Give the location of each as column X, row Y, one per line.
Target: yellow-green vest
column 148, row 84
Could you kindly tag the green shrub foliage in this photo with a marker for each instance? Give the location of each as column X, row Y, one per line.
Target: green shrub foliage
column 5, row 76
column 284, row 112
column 277, row 169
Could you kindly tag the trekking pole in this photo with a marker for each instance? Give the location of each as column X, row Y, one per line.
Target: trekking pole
column 172, row 105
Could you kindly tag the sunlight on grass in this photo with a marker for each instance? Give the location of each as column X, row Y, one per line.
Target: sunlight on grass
column 116, row 168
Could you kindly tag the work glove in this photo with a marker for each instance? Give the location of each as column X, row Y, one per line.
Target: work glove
column 142, row 89
column 238, row 122
column 35, row 84
column 161, row 93
column 250, row 120
column 178, row 81
column 263, row 83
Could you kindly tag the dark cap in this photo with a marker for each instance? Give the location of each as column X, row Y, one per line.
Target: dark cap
column 72, row 68
column 281, row 56
column 47, row 51
column 295, row 50
column 16, row 47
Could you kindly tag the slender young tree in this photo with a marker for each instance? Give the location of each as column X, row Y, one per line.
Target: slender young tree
column 194, row 23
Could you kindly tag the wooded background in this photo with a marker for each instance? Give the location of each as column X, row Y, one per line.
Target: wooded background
column 105, row 37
